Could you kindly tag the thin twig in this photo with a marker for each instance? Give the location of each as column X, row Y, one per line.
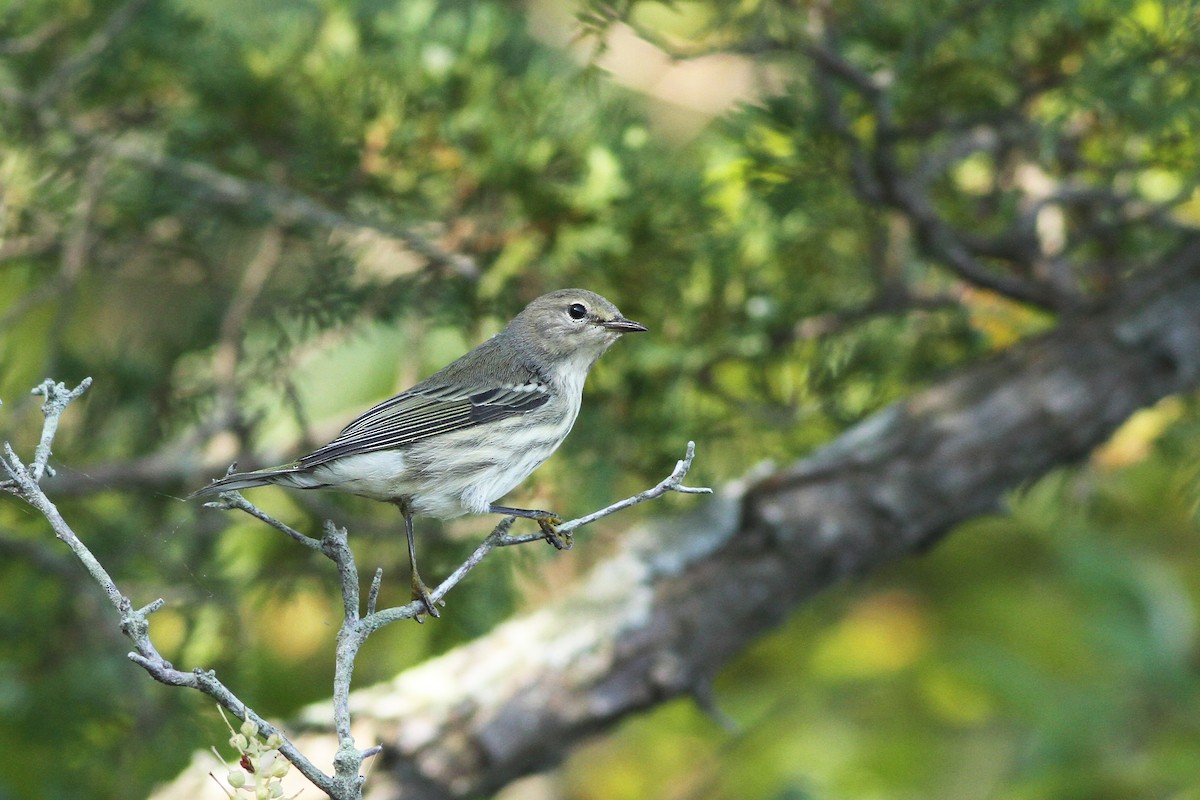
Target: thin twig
column 347, row 781
column 135, row 623
column 229, row 500
column 57, row 399
column 672, row 483
column 356, row 627
column 499, row 537
column 373, row 595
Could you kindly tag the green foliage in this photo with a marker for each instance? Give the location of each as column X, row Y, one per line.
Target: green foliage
column 165, row 187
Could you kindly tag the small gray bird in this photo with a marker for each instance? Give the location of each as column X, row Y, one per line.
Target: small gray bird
column 468, row 434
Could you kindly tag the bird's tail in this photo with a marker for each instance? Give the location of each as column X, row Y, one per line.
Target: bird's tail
column 290, row 475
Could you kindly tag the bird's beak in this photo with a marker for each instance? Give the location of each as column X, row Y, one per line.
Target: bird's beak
column 622, row 325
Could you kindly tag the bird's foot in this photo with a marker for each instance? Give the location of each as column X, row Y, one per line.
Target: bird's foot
column 549, row 524
column 548, row 521
column 421, row 592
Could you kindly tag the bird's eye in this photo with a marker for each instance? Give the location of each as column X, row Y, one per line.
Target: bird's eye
column 577, row 310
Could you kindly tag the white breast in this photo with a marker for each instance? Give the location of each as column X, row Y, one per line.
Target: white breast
column 467, row 470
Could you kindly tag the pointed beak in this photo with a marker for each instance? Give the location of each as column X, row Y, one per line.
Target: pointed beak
column 622, row 325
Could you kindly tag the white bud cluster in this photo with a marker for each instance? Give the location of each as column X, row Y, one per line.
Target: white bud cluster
column 261, row 767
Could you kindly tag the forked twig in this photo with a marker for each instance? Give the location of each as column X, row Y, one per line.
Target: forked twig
column 347, row 780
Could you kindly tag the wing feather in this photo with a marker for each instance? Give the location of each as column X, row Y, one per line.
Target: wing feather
column 426, row 411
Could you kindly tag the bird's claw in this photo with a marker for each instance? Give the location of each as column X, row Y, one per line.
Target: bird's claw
column 562, row 540
column 421, row 592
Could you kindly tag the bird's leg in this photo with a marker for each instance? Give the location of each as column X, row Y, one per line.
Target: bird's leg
column 419, row 590
column 546, row 520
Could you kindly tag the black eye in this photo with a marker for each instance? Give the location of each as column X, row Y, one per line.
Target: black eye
column 577, row 310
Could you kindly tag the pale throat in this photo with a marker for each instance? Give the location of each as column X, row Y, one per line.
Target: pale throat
column 569, row 373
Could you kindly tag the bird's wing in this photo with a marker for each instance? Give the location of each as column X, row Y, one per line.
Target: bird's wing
column 425, row 411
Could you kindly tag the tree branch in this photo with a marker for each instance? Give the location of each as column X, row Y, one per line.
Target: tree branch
column 287, row 206
column 74, row 68
column 135, row 623
column 20, row 45
column 30, row 246
column 880, row 180
column 658, row 620
column 347, row 780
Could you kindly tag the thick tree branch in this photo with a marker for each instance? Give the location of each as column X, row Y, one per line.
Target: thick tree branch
column 684, row 596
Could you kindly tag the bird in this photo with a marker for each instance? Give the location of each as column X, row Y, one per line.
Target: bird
column 465, row 436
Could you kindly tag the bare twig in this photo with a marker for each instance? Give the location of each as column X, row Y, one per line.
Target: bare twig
column 135, row 623
column 672, row 483
column 228, row 500
column 331, row 546
column 347, row 780
column 357, row 627
column 57, row 399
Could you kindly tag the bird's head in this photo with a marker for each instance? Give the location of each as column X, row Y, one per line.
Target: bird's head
column 571, row 325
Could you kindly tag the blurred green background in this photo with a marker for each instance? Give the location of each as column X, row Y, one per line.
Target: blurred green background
column 248, row 221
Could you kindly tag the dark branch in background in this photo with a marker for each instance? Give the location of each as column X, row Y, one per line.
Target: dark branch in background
column 874, row 166
column 76, row 67
column 885, row 305
column 31, row 41
column 1015, row 262
column 228, row 351
column 286, row 206
column 685, row 595
column 77, row 245
column 74, row 243
column 13, row 548
column 30, row 246
column 347, row 779
column 880, row 180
